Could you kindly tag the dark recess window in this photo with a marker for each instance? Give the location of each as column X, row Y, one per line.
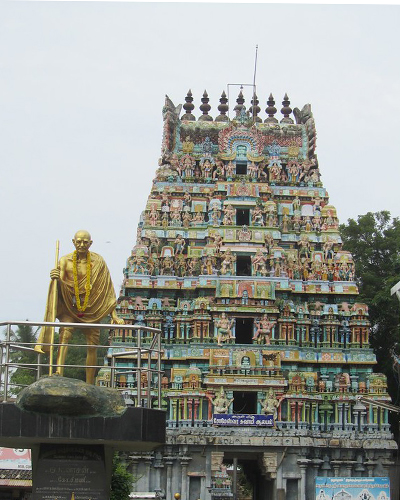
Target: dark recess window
column 242, row 216
column 243, row 265
column 241, row 168
column 244, row 330
column 245, row 402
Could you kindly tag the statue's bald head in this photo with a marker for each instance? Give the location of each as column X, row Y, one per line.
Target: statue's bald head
column 82, row 242
column 82, row 233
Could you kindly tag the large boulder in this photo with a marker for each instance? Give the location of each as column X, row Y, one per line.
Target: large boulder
column 69, row 397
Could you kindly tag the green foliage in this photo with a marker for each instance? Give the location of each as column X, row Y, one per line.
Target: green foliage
column 21, row 377
column 121, row 480
column 374, row 241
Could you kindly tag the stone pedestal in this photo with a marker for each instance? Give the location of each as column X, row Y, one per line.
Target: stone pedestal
column 72, row 454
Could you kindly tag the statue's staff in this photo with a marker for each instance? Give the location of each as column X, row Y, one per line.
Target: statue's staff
column 46, row 335
column 53, row 313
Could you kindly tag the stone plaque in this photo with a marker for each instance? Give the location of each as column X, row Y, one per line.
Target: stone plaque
column 63, row 470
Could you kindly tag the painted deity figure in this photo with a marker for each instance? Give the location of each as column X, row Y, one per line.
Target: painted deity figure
column 187, row 166
column 304, row 247
column 271, row 404
column 275, row 172
column 139, row 264
column 176, row 218
column 208, row 265
column 186, row 218
column 268, row 241
column 259, row 261
column 167, row 266
column 328, row 249
column 174, row 161
column 304, row 171
column 230, row 170
column 187, row 145
column 257, row 218
column 293, row 170
column 252, row 170
column 296, row 204
column 285, row 223
column 180, row 264
column 198, row 218
column 152, row 217
column 229, row 214
column 224, row 329
column 164, row 220
column 219, row 172
column 261, row 175
column 217, row 242
column 180, row 244
column 206, row 169
column 264, row 330
column 192, row 266
column 154, row 243
column 215, row 217
column 228, row 261
column 221, row 402
column 151, row 265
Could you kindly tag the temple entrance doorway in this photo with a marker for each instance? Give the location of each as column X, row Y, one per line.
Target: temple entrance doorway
column 250, row 482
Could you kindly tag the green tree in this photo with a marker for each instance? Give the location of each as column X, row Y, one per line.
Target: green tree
column 23, row 376
column 121, row 480
column 374, row 241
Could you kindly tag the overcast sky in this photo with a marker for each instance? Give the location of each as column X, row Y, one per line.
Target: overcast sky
column 82, row 87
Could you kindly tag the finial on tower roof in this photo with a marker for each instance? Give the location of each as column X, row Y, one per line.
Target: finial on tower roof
column 188, row 107
column 240, row 103
column 286, row 110
column 271, row 110
column 255, row 109
column 205, row 108
column 222, row 108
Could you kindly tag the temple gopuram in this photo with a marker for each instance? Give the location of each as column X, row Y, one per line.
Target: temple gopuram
column 239, row 261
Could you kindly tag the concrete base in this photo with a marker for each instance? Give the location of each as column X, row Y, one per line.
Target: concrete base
column 138, row 429
column 70, row 454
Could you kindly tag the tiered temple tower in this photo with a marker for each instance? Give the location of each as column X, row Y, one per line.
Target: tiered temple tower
column 239, row 262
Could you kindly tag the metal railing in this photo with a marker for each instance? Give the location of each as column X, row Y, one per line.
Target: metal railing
column 146, row 356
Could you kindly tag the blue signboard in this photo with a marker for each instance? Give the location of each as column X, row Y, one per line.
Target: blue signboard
column 241, row 420
column 352, row 488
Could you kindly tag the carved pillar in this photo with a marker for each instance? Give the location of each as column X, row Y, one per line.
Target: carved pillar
column 303, row 463
column 135, row 462
column 169, row 460
column 217, row 458
column 269, row 465
column 340, row 419
column 300, row 411
column 158, row 465
column 148, row 461
column 292, row 411
column 184, row 477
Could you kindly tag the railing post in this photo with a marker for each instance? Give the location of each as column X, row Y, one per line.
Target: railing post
column 159, row 369
column 112, row 375
column 139, row 366
column 6, row 362
column 1, row 364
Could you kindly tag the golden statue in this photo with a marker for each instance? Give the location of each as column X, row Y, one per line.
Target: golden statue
column 84, row 294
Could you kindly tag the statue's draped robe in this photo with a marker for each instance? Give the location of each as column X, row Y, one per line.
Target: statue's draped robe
column 102, row 299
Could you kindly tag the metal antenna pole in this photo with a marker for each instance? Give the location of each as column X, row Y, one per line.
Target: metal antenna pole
column 254, row 85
